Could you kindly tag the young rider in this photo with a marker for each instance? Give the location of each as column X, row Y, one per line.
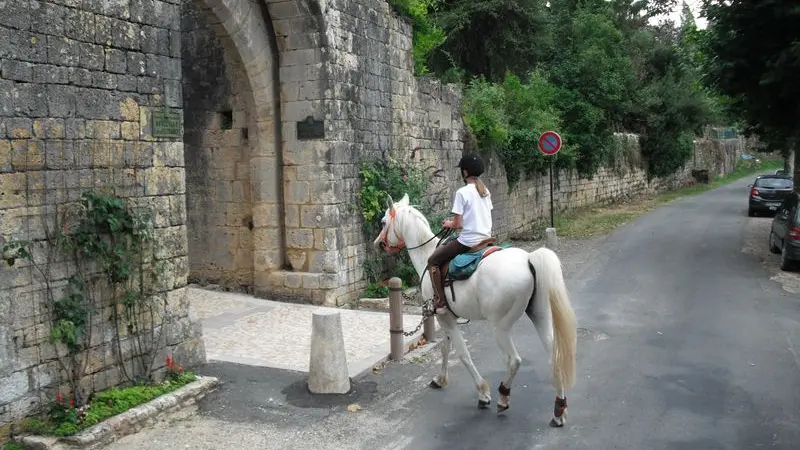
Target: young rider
column 472, row 208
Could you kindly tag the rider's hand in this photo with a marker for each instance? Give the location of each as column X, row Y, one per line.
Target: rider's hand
column 447, row 223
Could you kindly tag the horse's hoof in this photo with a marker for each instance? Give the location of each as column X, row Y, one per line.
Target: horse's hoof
column 483, row 404
column 558, row 422
column 435, row 385
column 501, row 408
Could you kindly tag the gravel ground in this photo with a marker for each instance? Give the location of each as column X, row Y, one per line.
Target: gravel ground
column 755, row 244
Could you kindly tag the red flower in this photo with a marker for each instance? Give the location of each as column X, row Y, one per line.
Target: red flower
column 170, row 362
column 71, row 402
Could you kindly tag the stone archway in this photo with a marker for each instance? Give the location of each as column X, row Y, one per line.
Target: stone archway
column 251, row 69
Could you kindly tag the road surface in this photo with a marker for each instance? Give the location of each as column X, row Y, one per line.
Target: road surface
column 685, row 344
column 702, row 349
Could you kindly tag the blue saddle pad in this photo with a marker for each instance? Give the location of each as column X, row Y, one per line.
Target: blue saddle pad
column 465, row 264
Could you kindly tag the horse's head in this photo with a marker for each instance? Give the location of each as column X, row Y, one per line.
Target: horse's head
column 391, row 237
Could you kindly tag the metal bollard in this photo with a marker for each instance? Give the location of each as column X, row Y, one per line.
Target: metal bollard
column 551, row 240
column 429, row 329
column 396, row 318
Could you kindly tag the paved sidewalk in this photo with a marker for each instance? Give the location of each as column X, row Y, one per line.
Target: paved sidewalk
column 246, row 330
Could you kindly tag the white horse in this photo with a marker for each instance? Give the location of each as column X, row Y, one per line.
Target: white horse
column 505, row 284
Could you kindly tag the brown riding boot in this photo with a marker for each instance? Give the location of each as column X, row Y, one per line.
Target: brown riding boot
column 440, row 301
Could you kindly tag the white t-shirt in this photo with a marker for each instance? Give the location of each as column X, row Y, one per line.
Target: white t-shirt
column 476, row 215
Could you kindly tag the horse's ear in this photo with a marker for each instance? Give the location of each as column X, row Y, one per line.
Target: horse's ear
column 405, row 200
column 389, row 202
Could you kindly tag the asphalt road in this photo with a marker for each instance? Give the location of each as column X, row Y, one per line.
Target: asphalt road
column 685, row 344
column 701, row 351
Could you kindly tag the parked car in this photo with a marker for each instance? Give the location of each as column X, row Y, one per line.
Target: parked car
column 767, row 193
column 784, row 235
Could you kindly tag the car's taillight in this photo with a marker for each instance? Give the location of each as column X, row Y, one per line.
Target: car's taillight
column 794, row 234
column 754, row 192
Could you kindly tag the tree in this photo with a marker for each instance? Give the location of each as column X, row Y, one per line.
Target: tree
column 491, row 37
column 757, row 58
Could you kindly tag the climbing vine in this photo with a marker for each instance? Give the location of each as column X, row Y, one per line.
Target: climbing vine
column 106, row 245
column 379, row 180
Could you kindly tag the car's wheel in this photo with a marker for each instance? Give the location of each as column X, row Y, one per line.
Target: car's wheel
column 772, row 247
column 750, row 212
column 786, row 263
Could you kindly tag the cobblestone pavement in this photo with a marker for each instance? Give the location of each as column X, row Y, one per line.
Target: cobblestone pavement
column 242, row 329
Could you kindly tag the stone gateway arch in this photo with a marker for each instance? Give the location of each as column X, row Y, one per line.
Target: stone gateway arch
column 240, row 123
column 281, row 100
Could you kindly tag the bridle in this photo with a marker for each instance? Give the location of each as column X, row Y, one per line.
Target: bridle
column 384, row 236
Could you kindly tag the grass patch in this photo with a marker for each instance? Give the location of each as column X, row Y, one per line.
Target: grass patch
column 12, row 446
column 601, row 220
column 63, row 418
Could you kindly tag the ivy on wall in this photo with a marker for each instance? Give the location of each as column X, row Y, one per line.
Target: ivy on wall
column 106, row 244
column 379, row 180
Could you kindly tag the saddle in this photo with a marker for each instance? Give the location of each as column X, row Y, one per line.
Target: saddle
column 464, row 265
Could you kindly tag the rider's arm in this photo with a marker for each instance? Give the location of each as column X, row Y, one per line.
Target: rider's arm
column 454, row 223
column 457, row 221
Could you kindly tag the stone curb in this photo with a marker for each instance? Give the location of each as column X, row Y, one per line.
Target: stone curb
column 409, row 356
column 128, row 422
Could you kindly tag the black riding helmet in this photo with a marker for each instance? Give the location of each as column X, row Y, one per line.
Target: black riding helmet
column 473, row 164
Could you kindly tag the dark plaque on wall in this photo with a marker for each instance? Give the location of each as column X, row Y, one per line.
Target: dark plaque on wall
column 310, row 129
column 166, row 123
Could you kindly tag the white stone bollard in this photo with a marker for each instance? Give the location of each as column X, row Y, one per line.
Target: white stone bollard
column 327, row 368
column 551, row 241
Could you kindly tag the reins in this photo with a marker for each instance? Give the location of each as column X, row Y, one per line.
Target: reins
column 444, row 233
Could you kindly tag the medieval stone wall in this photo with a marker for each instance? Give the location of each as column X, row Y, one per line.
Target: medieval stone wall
column 78, row 84
column 518, row 210
column 387, row 113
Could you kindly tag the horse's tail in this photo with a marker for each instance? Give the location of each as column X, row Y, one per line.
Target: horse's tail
column 550, row 287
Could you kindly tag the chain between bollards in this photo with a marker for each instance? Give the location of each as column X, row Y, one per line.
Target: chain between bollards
column 396, row 331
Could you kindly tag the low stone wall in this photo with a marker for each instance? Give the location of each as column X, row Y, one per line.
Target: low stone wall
column 518, row 210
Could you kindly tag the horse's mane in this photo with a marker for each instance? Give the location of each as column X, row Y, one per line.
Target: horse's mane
column 416, row 213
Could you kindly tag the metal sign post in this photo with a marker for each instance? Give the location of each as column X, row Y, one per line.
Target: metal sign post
column 550, row 144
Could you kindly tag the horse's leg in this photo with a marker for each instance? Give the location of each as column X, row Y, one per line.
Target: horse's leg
column 484, row 394
column 440, row 380
column 513, row 361
column 543, row 322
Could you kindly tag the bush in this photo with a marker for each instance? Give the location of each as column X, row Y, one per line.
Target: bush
column 508, row 119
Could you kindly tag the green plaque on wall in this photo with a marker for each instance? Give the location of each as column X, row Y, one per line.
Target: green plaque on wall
column 310, row 129
column 166, row 123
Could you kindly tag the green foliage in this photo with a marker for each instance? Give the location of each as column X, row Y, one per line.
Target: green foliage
column 426, row 34
column 110, row 233
column 376, row 290
column 379, row 181
column 64, row 417
column 508, row 119
column 12, row 446
column 586, row 69
column 756, row 47
column 488, row 38
column 107, row 244
column 72, row 314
